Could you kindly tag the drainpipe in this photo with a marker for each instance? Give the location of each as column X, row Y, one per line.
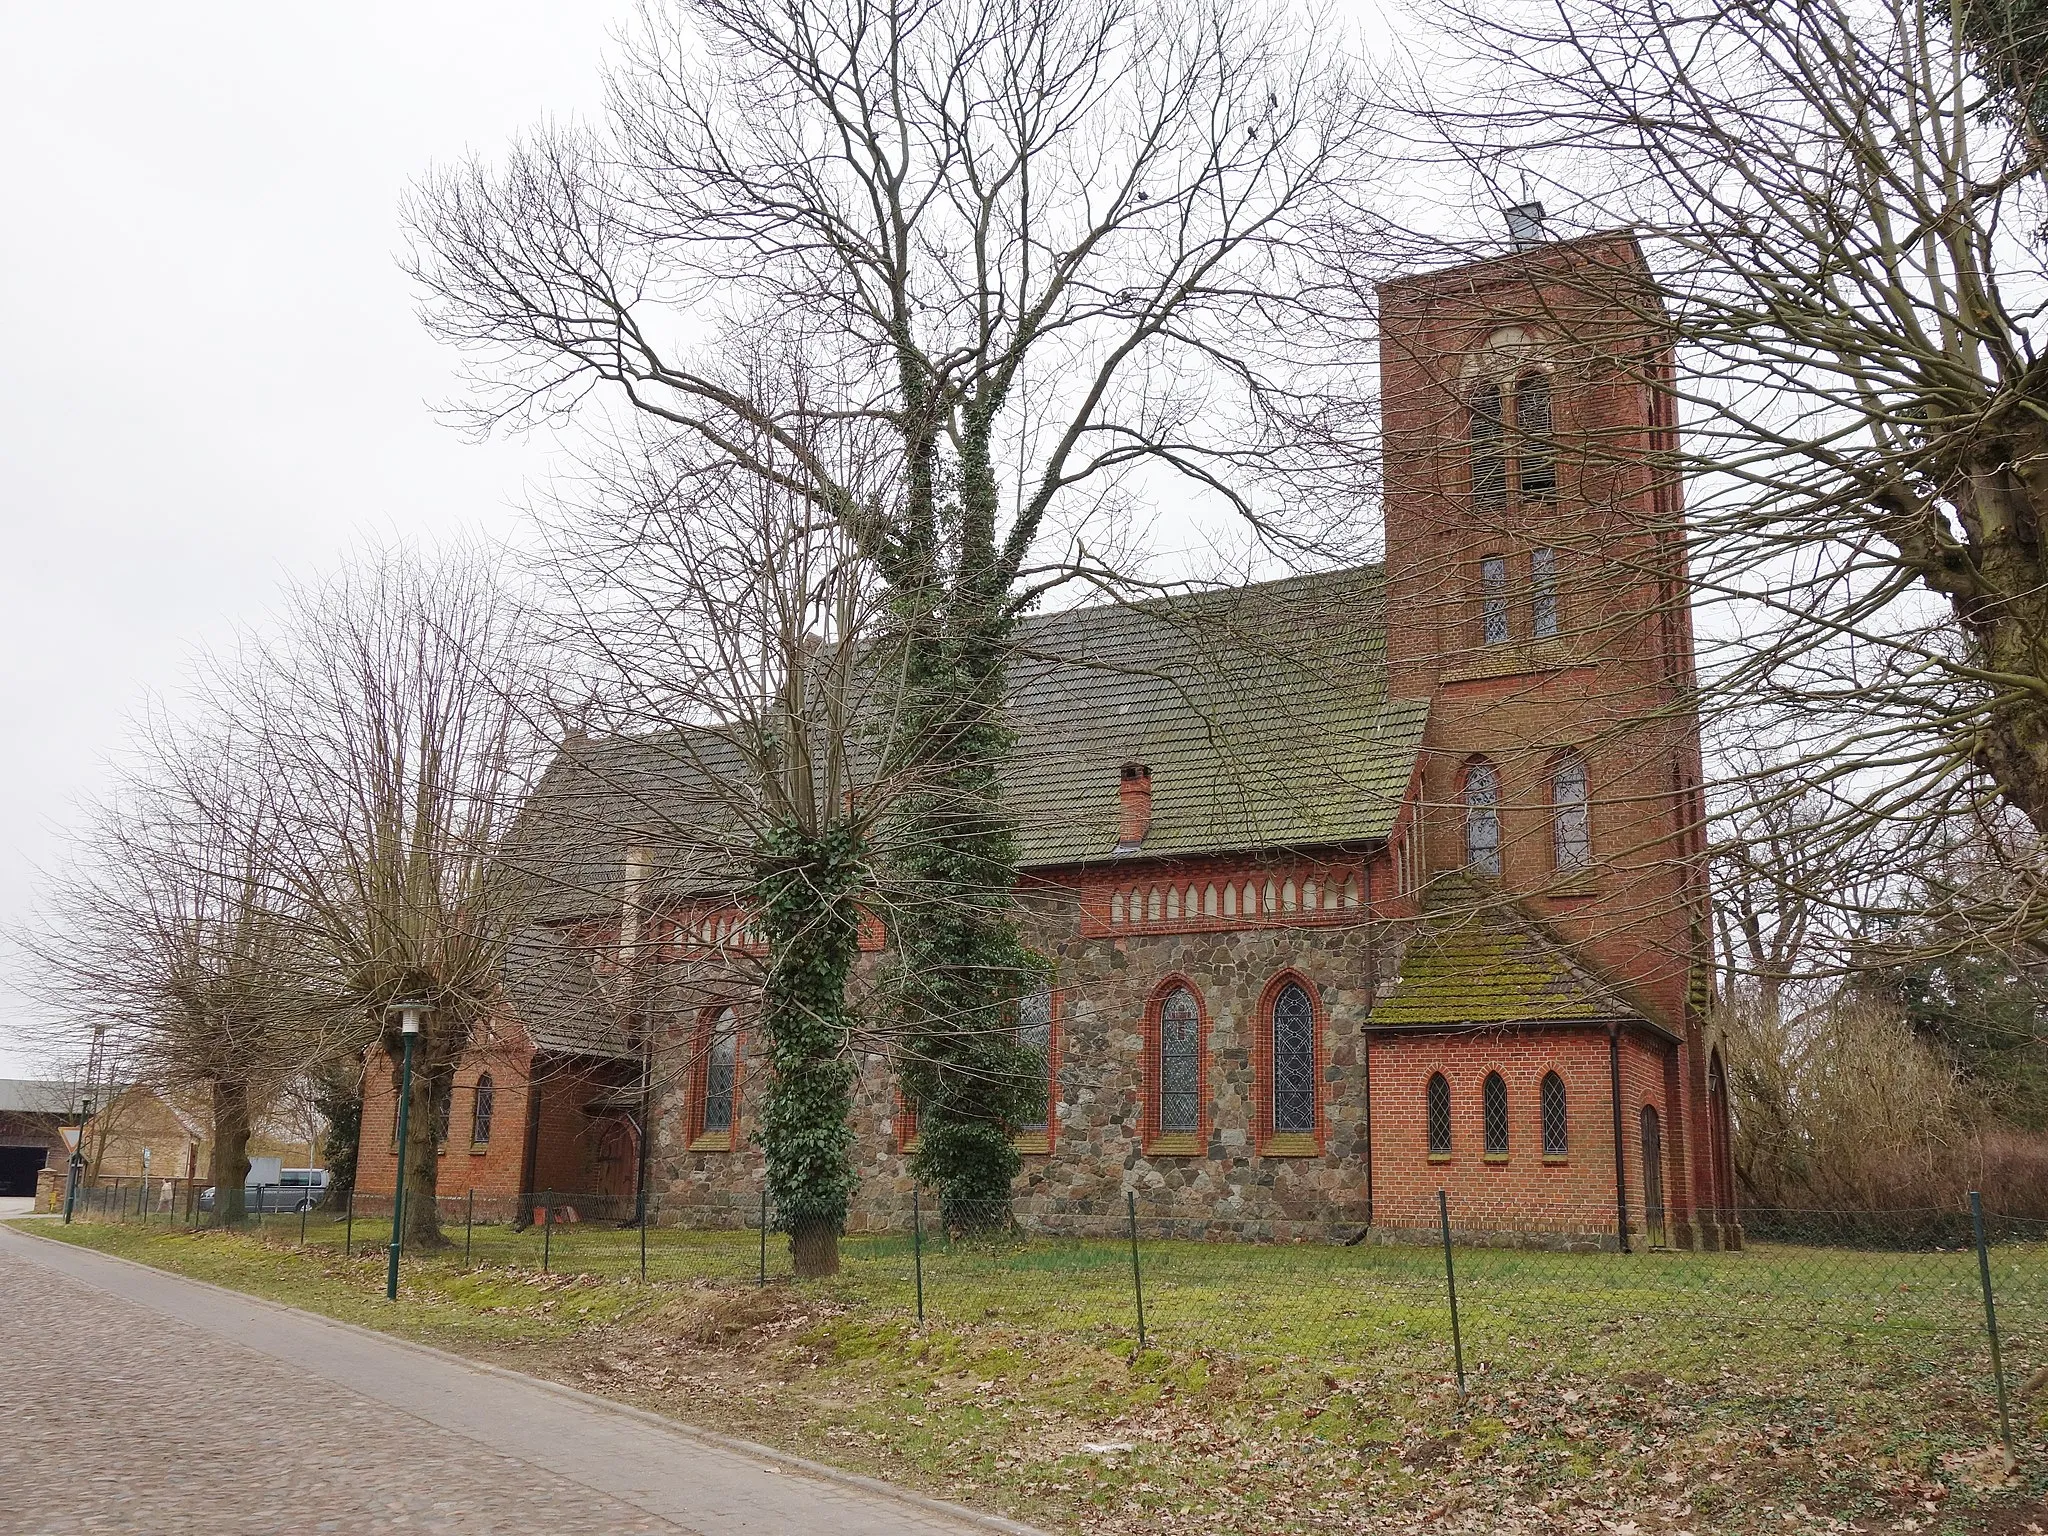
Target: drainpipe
column 1620, row 1166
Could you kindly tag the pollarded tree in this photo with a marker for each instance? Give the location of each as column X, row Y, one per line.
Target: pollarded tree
column 169, row 932
column 400, row 714
column 1048, row 250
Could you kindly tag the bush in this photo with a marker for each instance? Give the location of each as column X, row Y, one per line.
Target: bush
column 1843, row 1108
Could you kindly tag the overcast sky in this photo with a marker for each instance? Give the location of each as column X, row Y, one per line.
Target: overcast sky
column 212, row 372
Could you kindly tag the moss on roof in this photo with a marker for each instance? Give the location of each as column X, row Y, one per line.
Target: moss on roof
column 1476, row 957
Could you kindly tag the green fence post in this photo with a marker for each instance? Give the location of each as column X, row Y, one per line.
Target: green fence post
column 1137, row 1278
column 1443, row 1216
column 764, row 1234
column 348, row 1225
column 643, row 1241
column 1991, row 1320
column 468, row 1225
column 305, row 1209
column 917, row 1249
column 547, row 1231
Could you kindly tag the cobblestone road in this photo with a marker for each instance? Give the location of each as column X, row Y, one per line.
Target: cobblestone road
column 135, row 1401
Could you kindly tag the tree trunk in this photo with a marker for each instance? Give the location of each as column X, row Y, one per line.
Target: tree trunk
column 230, row 1149
column 805, row 888
column 421, row 1160
column 814, row 1248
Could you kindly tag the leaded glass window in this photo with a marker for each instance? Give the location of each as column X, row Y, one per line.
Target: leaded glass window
column 1180, row 1053
column 1571, row 826
column 1294, row 1060
column 1494, row 1103
column 1482, row 818
column 482, row 1111
column 1543, row 593
column 1489, row 455
column 721, row 1057
column 1034, row 1034
column 1556, row 1129
column 1535, row 459
column 1439, row 1104
column 1493, row 599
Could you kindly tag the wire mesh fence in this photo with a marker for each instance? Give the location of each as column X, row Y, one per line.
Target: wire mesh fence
column 1899, row 1302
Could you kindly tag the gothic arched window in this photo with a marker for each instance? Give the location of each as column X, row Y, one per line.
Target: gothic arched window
column 1557, row 1139
column 1494, row 1106
column 1482, row 817
column 721, row 1070
column 1179, row 1059
column 1535, row 458
column 1570, row 821
column 481, row 1111
column 1493, row 599
column 1438, row 1108
column 1489, row 448
column 1294, row 1060
column 1543, row 593
column 1034, row 1034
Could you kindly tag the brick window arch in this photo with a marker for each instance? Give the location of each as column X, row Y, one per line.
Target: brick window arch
column 1493, row 1103
column 482, row 1110
column 1176, row 1111
column 1488, row 446
column 1557, row 1139
column 1437, row 1112
column 1287, row 1066
column 715, row 1082
column 1482, row 817
column 1571, row 821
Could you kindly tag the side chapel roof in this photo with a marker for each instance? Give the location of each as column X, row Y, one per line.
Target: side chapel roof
column 1476, row 958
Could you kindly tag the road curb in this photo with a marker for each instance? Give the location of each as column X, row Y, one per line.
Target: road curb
column 779, row 1459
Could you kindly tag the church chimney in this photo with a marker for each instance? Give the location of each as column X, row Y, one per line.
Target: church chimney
column 1134, row 791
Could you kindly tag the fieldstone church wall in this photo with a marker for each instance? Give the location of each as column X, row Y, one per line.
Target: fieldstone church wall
column 1233, row 1187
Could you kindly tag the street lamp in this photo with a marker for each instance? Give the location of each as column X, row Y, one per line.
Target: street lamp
column 77, row 1164
column 409, row 1031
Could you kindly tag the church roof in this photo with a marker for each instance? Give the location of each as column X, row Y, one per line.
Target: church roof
column 1261, row 711
column 1475, row 957
column 556, row 998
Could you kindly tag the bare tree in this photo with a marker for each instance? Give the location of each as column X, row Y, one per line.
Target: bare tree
column 169, row 932
column 1842, row 203
column 730, row 626
column 400, row 711
column 1048, row 250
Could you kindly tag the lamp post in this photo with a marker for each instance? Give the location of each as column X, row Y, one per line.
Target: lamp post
column 77, row 1164
column 409, row 1031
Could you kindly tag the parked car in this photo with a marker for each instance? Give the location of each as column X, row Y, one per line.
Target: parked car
column 296, row 1189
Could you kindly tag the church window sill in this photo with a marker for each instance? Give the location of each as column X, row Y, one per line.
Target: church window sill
column 1290, row 1144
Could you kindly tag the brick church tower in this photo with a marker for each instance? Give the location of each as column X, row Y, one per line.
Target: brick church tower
column 1537, row 597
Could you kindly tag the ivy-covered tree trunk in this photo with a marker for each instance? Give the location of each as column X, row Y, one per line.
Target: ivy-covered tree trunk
column 230, row 1149
column 805, row 889
column 961, row 963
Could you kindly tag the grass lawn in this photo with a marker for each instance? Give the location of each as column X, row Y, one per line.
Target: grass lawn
column 1282, row 1389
